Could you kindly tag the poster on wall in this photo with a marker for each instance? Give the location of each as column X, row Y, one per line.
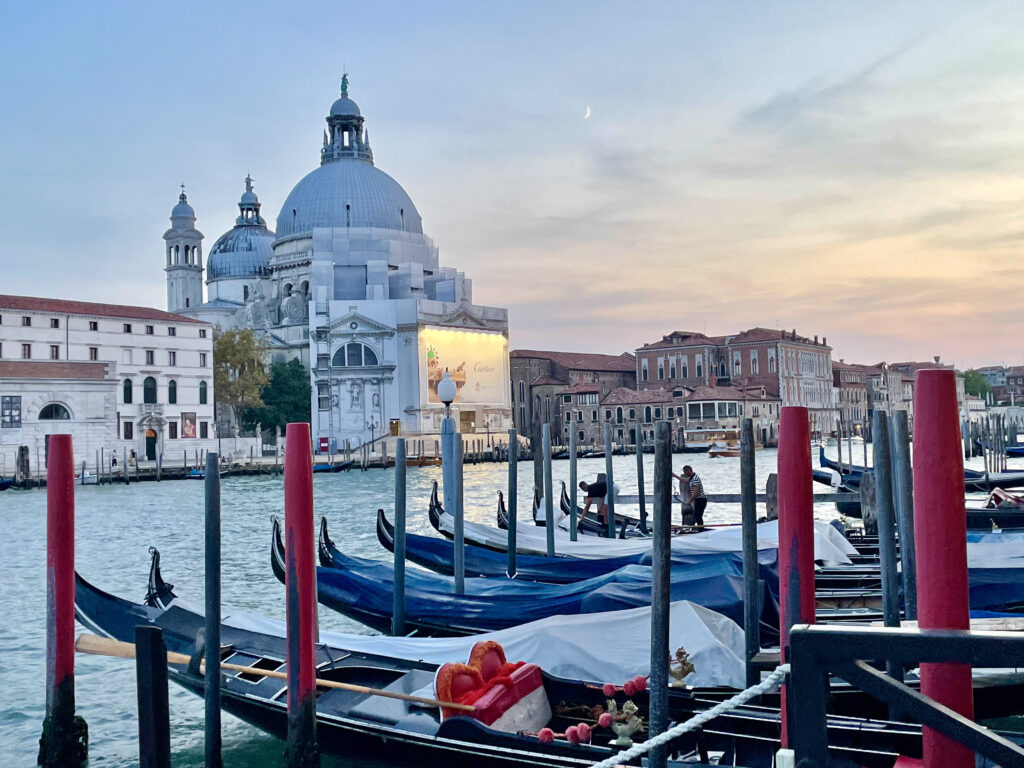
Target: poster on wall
column 188, row 425
column 476, row 361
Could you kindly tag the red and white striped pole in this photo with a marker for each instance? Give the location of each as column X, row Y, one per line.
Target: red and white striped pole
column 796, row 532
column 940, row 540
column 65, row 737
column 300, row 588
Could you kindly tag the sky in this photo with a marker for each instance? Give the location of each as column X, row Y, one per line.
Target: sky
column 849, row 170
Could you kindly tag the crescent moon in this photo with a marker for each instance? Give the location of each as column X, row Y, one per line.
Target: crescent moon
column 588, row 114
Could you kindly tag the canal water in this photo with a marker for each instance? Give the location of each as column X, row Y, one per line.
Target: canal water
column 117, row 524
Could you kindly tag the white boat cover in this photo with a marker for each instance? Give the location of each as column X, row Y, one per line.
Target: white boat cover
column 830, row 546
column 597, row 647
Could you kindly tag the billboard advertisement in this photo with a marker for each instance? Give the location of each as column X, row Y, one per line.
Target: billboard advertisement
column 477, row 362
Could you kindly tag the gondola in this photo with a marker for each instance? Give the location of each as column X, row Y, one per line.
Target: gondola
column 362, row 589
column 591, row 526
column 331, row 468
column 974, row 481
column 6, row 482
column 358, row 726
column 200, row 474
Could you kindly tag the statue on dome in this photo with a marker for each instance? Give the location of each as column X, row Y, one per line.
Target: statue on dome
column 248, row 183
column 344, row 86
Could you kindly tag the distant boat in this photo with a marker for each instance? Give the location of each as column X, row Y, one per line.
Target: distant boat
column 727, row 451
column 200, row 474
column 6, row 482
column 339, row 467
column 87, row 478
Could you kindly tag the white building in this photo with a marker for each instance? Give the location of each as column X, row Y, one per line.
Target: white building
column 352, row 286
column 161, row 365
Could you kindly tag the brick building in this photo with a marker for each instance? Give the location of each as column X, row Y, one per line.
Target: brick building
column 542, row 379
column 793, row 368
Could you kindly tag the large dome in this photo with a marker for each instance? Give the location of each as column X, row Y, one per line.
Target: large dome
column 347, row 192
column 244, row 250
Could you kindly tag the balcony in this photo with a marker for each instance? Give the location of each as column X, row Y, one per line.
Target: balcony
column 152, row 409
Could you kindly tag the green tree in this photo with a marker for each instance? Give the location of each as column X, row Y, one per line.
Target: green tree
column 975, row 384
column 286, row 398
column 239, row 370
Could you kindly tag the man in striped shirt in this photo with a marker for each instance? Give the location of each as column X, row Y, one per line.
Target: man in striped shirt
column 691, row 491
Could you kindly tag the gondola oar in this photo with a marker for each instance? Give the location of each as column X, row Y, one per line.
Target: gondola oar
column 105, row 646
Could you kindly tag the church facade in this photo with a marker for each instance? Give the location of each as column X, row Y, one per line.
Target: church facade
column 350, row 285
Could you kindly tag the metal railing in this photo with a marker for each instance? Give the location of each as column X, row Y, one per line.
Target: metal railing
column 818, row 651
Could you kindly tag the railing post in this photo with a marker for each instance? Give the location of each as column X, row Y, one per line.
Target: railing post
column 572, row 483
column 460, row 528
column 300, row 595
column 212, row 635
column 941, row 540
column 398, row 611
column 549, row 507
column 903, row 492
column 513, row 492
column 796, row 535
column 610, row 479
column 748, row 492
column 151, row 686
column 661, row 586
column 65, row 738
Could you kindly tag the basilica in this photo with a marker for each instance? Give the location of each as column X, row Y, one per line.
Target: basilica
column 349, row 284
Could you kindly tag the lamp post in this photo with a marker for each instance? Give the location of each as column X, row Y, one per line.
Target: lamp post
column 446, row 392
column 373, row 425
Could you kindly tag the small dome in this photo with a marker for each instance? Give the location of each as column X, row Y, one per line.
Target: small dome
column 249, row 198
column 182, row 209
column 345, row 107
column 240, row 252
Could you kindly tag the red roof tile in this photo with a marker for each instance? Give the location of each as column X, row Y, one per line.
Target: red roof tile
column 52, row 369
column 581, row 388
column 547, row 381
column 727, row 393
column 65, row 307
column 627, row 396
column 681, row 339
column 581, row 361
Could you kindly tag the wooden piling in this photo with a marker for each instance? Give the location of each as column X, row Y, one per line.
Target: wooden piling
column 610, row 479
column 661, row 587
column 886, row 531
column 573, row 481
column 513, row 492
column 151, row 691
column 940, row 534
column 65, row 737
column 300, row 598
column 211, row 679
column 398, row 610
column 751, row 583
column 549, row 507
column 903, row 493
column 460, row 520
column 640, row 480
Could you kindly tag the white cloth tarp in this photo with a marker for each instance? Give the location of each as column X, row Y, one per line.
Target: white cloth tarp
column 597, row 647
column 830, row 546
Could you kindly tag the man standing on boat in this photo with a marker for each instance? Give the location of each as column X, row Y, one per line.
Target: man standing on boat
column 596, row 491
column 691, row 491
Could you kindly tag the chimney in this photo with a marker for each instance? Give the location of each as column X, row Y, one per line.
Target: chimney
column 842, row 361
column 824, row 341
column 794, row 334
column 815, row 338
column 938, row 359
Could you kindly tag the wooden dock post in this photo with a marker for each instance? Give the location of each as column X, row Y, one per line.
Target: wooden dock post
column 211, row 679
column 65, row 738
column 661, row 587
column 640, row 480
column 903, row 493
column 796, row 535
column 300, row 598
column 549, row 507
column 460, row 520
column 609, row 478
column 151, row 691
column 839, row 444
column 748, row 491
column 868, row 509
column 941, row 539
column 886, row 531
column 513, row 492
column 398, row 610
column 124, row 464
column 573, row 481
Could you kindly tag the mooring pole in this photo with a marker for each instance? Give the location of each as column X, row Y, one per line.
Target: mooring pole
column 886, row 531
column 513, row 489
column 460, row 521
column 573, row 480
column 151, row 689
column 448, row 460
column 796, row 535
column 211, row 677
column 300, row 594
column 124, row 464
column 748, row 497
column 65, row 737
column 549, row 507
column 661, row 587
column 398, row 611
column 940, row 532
column 610, row 497
column 903, row 493
column 640, row 479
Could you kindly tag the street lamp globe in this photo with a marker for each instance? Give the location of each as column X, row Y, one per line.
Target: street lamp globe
column 446, row 391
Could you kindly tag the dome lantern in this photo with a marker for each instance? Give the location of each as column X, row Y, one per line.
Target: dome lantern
column 345, row 137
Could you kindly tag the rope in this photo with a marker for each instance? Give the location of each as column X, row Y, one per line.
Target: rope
column 695, row 722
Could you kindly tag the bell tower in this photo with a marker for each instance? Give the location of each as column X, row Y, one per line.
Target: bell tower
column 184, row 257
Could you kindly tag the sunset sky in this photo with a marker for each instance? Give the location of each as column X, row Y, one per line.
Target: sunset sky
column 853, row 170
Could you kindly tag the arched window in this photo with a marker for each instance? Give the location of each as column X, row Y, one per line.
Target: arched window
column 618, row 414
column 305, row 287
column 172, row 392
column 127, row 390
column 149, row 390
column 355, row 355
column 54, row 411
column 647, row 414
column 522, row 391
column 202, row 393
